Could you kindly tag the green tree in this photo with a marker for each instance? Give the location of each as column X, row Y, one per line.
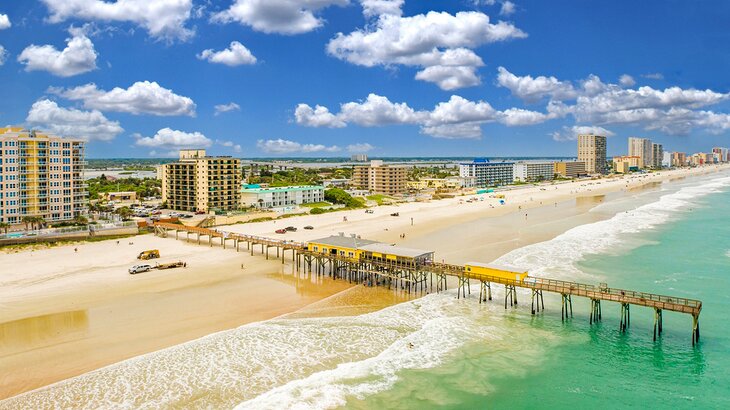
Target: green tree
column 4, row 226
column 124, row 212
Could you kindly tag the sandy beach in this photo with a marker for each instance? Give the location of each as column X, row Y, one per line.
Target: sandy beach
column 65, row 312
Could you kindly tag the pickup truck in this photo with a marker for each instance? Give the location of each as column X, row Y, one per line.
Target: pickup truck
column 139, row 269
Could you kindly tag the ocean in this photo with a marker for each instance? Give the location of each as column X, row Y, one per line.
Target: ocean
column 441, row 352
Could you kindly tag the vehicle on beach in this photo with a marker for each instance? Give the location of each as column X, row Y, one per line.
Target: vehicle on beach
column 369, row 211
column 139, row 269
column 291, row 229
column 309, row 227
column 150, row 254
column 280, row 231
column 395, row 214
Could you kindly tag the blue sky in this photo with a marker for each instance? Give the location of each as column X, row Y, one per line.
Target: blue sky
column 386, row 77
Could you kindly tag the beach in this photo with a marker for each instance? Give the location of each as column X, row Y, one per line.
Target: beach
column 67, row 312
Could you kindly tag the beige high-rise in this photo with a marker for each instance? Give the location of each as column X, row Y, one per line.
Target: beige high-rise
column 642, row 148
column 41, row 176
column 379, row 178
column 197, row 182
column 592, row 151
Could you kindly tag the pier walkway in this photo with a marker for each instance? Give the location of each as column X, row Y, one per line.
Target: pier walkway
column 420, row 276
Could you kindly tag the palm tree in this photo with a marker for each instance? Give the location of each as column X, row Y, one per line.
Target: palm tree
column 28, row 221
column 124, row 212
column 4, row 226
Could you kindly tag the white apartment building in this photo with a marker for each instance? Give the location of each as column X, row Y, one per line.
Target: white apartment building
column 487, row 173
column 41, row 176
column 281, row 197
column 534, row 171
column 642, row 148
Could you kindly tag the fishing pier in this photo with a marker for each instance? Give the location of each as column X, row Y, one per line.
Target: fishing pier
column 377, row 264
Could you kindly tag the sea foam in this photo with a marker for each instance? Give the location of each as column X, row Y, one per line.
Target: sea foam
column 557, row 258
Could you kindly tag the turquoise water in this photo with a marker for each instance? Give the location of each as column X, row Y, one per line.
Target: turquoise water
column 595, row 366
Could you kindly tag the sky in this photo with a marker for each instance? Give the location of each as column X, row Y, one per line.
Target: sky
column 316, row 78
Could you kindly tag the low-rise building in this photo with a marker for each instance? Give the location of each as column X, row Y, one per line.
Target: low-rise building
column 120, row 196
column 379, row 178
column 336, row 183
column 442, row 183
column 487, row 173
column 534, row 171
column 627, row 163
column 570, row 169
column 281, row 197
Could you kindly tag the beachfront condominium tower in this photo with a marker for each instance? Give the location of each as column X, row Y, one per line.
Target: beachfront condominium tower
column 679, row 159
column 41, row 175
column 592, row 151
column 487, row 173
column 642, row 148
column 380, row 178
column 657, row 155
column 197, row 182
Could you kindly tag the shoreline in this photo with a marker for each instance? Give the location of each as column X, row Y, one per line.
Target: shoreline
column 86, row 345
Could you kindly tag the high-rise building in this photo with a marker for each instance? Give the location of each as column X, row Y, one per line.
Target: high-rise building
column 487, row 173
column 721, row 153
column 42, row 176
column 679, row 159
column 642, row 148
column 657, row 154
column 380, row 178
column 570, row 169
column 359, row 158
column 592, row 151
column 533, row 171
column 197, row 182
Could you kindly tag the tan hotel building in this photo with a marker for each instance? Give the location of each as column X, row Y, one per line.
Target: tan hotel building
column 41, row 175
column 570, row 169
column 379, row 178
column 592, row 151
column 197, row 182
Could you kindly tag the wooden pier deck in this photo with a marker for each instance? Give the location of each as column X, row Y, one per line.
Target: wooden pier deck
column 419, row 276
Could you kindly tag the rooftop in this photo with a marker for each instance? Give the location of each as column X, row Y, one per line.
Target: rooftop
column 506, row 268
column 395, row 250
column 259, row 190
column 344, row 241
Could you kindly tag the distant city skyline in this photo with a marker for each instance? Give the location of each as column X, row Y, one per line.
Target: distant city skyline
column 469, row 78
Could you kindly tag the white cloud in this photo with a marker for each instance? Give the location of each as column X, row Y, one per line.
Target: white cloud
column 277, row 16
column 5, row 22
column 236, row 54
column 78, row 57
column 571, row 133
column 222, row 108
column 3, row 55
column 318, row 116
column 456, row 118
column 438, row 42
column 281, row 146
column 173, row 140
column 627, row 81
column 163, row 19
column 360, row 148
column 507, row 8
column 654, row 76
column 374, row 8
column 377, row 110
column 229, row 144
column 143, row 97
column 532, row 89
column 90, row 125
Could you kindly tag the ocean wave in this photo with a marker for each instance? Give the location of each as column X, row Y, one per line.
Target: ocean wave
column 557, row 258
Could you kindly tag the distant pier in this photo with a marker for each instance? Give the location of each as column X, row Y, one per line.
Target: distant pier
column 371, row 263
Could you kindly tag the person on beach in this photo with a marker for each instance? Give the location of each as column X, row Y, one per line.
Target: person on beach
column 76, row 250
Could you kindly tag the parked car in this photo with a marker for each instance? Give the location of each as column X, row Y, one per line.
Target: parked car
column 291, row 229
column 186, row 216
column 139, row 269
column 200, row 212
column 309, row 227
column 280, row 231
